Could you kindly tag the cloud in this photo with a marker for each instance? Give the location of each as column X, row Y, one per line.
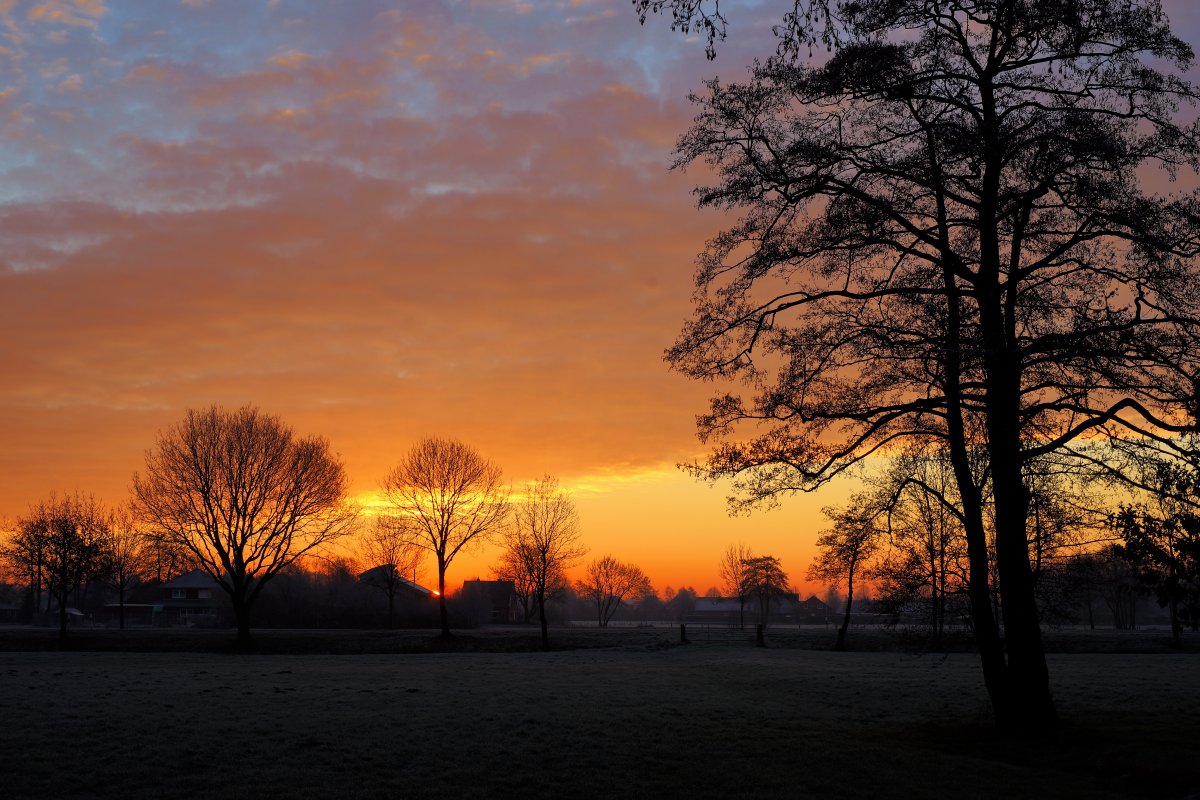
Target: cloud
column 484, row 243
column 76, row 13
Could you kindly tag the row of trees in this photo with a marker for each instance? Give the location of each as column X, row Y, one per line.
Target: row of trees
column 241, row 496
column 904, row 535
column 65, row 542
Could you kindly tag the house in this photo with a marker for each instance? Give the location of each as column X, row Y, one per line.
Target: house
column 406, row 590
column 814, row 611
column 721, row 609
column 784, row 607
column 193, row 598
column 492, row 602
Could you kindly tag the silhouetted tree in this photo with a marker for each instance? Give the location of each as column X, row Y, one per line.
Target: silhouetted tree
column 1165, row 554
column 766, row 582
column 607, row 583
column 166, row 559
column 245, row 496
column 541, row 543
column 732, row 571
column 63, row 539
column 390, row 557
column 845, row 550
column 943, row 236
column 22, row 557
column 126, row 557
column 447, row 496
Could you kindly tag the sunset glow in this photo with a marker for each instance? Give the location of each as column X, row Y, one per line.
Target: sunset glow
column 379, row 221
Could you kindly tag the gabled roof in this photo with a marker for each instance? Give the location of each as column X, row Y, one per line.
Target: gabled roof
column 379, row 574
column 196, row 579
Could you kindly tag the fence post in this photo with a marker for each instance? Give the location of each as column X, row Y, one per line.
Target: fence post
column 683, row 633
column 758, row 635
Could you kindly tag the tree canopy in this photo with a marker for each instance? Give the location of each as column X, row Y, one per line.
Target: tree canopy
column 957, row 228
column 244, row 495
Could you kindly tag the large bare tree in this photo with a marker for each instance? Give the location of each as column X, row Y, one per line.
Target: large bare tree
column 945, row 233
column 446, row 496
column 245, row 496
column 542, row 542
column 606, row 582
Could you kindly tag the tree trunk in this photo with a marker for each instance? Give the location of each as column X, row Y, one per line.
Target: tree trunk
column 840, row 644
column 121, row 605
column 1028, row 706
column 1176, row 622
column 62, row 617
column 445, row 615
column 541, row 604
column 241, row 615
column 391, row 607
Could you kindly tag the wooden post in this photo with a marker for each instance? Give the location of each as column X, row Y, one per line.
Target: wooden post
column 683, row 633
column 758, row 635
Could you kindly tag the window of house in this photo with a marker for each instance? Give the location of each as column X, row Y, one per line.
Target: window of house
column 205, row 594
column 178, row 594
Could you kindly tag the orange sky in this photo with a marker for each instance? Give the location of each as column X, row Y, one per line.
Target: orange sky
column 380, row 221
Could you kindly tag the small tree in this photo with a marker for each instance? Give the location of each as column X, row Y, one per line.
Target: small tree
column 126, row 557
column 65, row 535
column 607, row 583
column 1165, row 553
column 732, row 571
column 510, row 568
column 245, row 496
column 446, row 496
column 389, row 556
column 542, row 542
column 766, row 582
column 844, row 550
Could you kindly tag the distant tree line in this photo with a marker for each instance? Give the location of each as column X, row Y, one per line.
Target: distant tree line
column 1092, row 558
column 265, row 513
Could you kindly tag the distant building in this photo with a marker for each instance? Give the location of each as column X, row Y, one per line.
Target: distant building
column 785, row 607
column 406, row 590
column 814, row 611
column 492, row 602
column 191, row 599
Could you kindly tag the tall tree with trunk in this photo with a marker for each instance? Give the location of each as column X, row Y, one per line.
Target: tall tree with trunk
column 542, row 542
column 64, row 539
column 390, row 557
column 766, row 582
column 126, row 557
column 845, row 550
column 735, row 581
column 245, row 496
column 607, row 582
column 944, row 235
column 446, row 496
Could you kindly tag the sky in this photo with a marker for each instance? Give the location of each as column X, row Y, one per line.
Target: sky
column 380, row 221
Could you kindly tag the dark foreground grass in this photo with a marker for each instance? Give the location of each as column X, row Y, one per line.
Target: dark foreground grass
column 632, row 721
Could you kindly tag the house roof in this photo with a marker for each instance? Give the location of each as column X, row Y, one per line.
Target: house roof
column 380, row 572
column 196, row 579
column 719, row 604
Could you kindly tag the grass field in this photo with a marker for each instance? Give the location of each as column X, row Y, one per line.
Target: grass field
column 639, row 719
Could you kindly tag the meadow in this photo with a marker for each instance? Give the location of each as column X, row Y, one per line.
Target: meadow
column 632, row 715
